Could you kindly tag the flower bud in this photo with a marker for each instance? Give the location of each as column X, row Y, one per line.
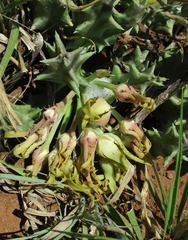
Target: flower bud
column 134, row 138
column 20, row 149
column 38, row 160
column 110, row 146
column 50, row 114
column 126, row 93
column 88, row 142
column 67, row 143
column 60, row 164
column 130, row 127
column 96, row 111
column 85, row 162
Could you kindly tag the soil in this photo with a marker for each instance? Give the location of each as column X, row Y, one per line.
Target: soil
column 11, row 222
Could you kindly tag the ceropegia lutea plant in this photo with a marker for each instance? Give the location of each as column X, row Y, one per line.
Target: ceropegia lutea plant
column 95, row 113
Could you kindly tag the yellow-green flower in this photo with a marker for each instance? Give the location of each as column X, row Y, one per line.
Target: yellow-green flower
column 111, row 146
column 85, row 162
column 24, row 149
column 96, row 111
column 59, row 161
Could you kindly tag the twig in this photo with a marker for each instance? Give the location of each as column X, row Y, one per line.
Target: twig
column 164, row 96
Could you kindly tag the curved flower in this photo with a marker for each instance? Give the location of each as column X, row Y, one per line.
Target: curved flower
column 126, row 93
column 39, row 158
column 85, row 162
column 96, row 111
column 129, row 127
column 24, row 149
column 88, row 140
column 60, row 162
column 110, row 146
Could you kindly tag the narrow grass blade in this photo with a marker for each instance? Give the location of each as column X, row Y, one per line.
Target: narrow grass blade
column 10, row 47
column 21, row 178
column 112, row 211
column 29, row 180
column 134, row 223
column 33, row 236
column 161, row 187
column 13, row 4
column 116, row 217
column 20, row 171
column 84, row 229
column 156, row 197
column 119, row 235
column 183, row 202
column 88, row 236
column 177, row 169
column 8, row 53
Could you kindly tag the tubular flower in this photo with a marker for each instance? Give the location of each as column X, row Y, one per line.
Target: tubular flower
column 39, row 158
column 110, row 146
column 96, row 111
column 59, row 161
column 129, row 127
column 85, row 162
column 24, row 149
column 142, row 152
column 126, row 93
column 74, row 182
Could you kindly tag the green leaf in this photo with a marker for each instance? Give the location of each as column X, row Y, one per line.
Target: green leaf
column 156, row 197
column 64, row 69
column 14, row 3
column 168, row 212
column 159, row 140
column 177, row 169
column 134, row 223
column 133, row 13
column 183, row 202
column 10, row 47
column 96, row 23
column 27, row 115
column 50, row 14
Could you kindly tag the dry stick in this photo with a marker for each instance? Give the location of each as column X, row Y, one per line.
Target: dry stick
column 164, row 96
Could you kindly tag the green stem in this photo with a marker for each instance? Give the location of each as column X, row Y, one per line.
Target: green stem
column 67, row 101
column 84, row 98
column 105, row 84
column 10, row 48
column 65, row 121
column 116, row 115
column 79, row 110
column 56, row 124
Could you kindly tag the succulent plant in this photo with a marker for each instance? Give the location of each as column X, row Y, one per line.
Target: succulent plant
column 50, row 14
